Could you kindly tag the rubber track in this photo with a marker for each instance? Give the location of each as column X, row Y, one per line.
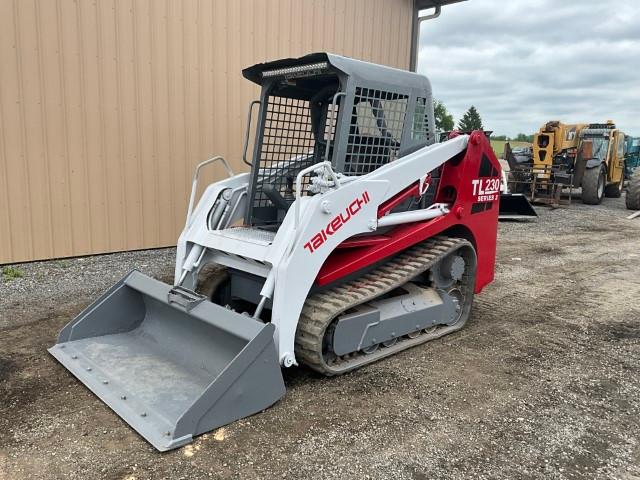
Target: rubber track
column 320, row 309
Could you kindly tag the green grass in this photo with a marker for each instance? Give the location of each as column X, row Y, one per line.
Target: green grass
column 498, row 146
column 11, row 273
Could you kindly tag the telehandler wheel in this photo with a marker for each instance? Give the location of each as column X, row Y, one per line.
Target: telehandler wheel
column 593, row 185
column 633, row 191
column 615, row 190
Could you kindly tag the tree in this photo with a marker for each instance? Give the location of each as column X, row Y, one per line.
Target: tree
column 444, row 120
column 502, row 138
column 523, row 137
column 470, row 120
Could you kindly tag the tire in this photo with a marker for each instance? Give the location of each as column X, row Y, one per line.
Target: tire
column 615, row 190
column 211, row 277
column 593, row 185
column 633, row 191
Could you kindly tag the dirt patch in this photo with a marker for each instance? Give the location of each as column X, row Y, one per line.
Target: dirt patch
column 543, row 382
column 548, row 250
column 7, row 367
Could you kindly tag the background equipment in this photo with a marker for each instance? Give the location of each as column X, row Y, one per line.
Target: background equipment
column 550, row 168
column 514, row 206
column 354, row 236
column 556, row 144
column 632, row 198
column 631, row 155
column 599, row 168
column 587, row 156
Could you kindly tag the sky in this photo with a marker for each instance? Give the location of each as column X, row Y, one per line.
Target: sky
column 525, row 62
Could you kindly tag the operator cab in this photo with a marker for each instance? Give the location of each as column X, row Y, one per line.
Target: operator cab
column 324, row 107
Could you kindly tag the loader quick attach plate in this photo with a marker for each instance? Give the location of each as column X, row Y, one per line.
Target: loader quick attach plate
column 170, row 363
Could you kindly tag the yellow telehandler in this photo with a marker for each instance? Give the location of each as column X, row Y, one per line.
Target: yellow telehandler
column 549, row 167
column 599, row 168
column 587, row 156
column 556, row 144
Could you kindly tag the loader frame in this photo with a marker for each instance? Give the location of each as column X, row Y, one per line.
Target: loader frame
column 289, row 267
column 283, row 257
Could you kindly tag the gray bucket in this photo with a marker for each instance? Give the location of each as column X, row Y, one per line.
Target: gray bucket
column 170, row 363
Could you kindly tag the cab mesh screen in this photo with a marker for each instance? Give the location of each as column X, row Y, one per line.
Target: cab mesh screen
column 375, row 130
column 287, row 147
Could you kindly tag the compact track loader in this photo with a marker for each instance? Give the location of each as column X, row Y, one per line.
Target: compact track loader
column 353, row 237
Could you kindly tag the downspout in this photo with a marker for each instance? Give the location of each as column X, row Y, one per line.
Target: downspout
column 415, row 33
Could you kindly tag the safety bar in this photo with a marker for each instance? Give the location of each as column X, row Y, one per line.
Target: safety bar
column 246, row 133
column 304, row 172
column 243, row 193
column 331, row 123
column 194, row 184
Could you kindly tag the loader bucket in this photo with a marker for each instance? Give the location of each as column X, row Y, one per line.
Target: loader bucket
column 515, row 206
column 172, row 364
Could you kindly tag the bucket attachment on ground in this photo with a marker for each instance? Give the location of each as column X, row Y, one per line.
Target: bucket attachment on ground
column 515, row 206
column 172, row 364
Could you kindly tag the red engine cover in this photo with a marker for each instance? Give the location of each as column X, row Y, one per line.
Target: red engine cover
column 470, row 182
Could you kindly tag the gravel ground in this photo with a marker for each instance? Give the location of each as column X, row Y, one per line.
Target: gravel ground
column 50, row 285
column 544, row 381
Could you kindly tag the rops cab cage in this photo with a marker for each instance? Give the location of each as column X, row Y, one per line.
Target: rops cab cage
column 324, row 107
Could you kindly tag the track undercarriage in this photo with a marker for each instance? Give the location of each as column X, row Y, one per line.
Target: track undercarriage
column 418, row 295
column 444, row 266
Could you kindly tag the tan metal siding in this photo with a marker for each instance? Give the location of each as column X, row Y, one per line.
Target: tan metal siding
column 106, row 106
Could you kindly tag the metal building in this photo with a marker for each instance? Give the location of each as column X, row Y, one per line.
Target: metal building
column 105, row 107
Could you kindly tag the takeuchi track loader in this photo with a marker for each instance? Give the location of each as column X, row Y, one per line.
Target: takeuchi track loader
column 353, row 237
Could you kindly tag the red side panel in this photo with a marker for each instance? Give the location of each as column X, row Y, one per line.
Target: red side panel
column 364, row 241
column 471, row 183
column 411, row 191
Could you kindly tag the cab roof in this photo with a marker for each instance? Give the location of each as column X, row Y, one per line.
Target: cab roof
column 323, row 63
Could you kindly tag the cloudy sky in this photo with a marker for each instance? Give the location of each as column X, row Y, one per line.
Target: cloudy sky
column 524, row 62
